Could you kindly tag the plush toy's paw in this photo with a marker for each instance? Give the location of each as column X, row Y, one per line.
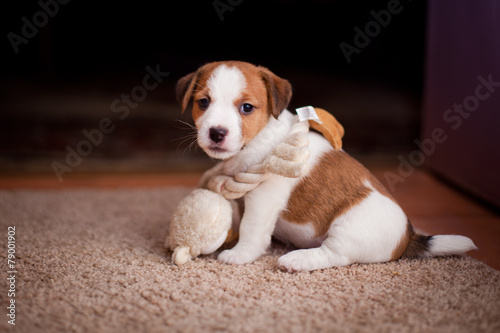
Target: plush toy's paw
column 237, row 257
column 181, row 255
column 289, row 158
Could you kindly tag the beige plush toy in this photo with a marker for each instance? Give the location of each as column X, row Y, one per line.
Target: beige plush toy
column 202, row 221
column 199, row 225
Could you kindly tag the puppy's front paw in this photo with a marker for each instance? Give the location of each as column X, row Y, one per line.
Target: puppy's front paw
column 237, row 256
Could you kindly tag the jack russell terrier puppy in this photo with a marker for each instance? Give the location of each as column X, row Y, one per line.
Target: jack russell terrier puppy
column 338, row 213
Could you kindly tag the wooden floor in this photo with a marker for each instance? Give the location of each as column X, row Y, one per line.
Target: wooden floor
column 432, row 206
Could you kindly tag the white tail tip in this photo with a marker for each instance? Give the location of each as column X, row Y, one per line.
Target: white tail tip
column 444, row 245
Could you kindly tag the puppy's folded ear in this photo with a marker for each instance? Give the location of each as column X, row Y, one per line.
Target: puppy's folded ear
column 185, row 88
column 279, row 91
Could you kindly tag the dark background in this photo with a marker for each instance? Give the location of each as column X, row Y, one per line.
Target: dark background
column 90, row 52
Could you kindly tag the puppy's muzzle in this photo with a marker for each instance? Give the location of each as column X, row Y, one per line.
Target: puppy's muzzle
column 218, row 134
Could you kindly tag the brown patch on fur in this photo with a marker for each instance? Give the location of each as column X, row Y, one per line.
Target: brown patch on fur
column 403, row 242
column 194, row 86
column 252, row 124
column 256, row 94
column 333, row 186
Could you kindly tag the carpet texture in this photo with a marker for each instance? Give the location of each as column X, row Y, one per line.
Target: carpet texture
column 94, row 261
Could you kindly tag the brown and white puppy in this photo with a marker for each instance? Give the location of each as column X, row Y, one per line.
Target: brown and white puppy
column 338, row 213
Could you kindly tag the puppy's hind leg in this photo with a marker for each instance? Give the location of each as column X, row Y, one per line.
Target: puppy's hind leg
column 367, row 233
column 311, row 259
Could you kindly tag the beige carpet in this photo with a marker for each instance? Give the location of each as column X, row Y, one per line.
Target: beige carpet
column 93, row 261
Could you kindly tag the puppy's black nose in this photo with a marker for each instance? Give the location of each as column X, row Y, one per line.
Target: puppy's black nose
column 217, row 134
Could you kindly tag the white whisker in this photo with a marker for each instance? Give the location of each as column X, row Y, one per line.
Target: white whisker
column 190, row 137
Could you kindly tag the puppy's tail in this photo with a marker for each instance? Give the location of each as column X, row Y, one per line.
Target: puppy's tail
column 420, row 246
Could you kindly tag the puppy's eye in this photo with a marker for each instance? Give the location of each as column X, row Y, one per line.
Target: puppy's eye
column 246, row 108
column 203, row 103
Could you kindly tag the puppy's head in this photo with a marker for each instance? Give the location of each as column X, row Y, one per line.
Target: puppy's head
column 232, row 103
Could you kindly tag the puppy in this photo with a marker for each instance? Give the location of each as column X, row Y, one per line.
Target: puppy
column 337, row 213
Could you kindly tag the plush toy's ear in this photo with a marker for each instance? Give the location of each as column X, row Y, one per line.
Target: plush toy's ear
column 279, row 91
column 185, row 88
column 330, row 127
